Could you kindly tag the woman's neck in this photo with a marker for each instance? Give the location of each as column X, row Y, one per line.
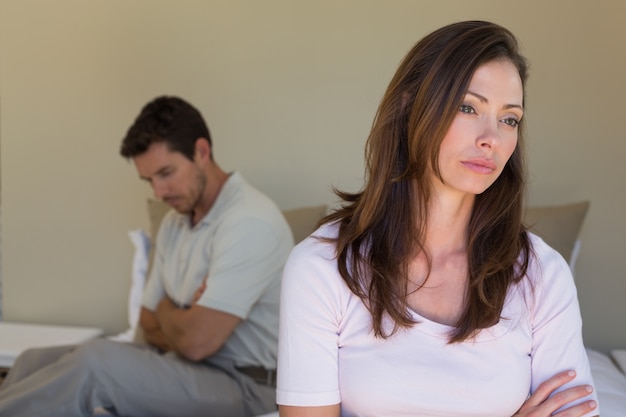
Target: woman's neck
column 447, row 223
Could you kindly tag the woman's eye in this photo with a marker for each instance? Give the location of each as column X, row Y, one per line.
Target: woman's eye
column 466, row 108
column 511, row 121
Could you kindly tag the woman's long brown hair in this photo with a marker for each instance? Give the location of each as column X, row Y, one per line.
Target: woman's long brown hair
column 382, row 226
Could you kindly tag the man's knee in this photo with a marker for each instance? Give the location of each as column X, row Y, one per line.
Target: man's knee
column 40, row 357
column 96, row 354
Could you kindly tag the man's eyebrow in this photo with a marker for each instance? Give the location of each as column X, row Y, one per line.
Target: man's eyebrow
column 484, row 99
column 160, row 171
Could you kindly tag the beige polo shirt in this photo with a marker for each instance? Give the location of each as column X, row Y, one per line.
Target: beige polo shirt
column 241, row 245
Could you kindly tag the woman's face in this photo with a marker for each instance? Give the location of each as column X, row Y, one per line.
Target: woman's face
column 483, row 134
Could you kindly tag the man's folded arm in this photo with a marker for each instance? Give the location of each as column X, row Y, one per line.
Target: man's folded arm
column 195, row 332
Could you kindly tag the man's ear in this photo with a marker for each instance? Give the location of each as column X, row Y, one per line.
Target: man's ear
column 202, row 149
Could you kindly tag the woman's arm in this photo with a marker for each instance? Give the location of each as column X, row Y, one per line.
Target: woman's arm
column 311, row 310
column 324, row 411
column 556, row 323
column 540, row 404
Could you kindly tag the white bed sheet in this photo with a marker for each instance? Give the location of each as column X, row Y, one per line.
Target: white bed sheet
column 610, row 384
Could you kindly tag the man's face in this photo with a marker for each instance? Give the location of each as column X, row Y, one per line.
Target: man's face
column 176, row 180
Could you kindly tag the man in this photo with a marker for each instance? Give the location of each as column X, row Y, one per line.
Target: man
column 210, row 306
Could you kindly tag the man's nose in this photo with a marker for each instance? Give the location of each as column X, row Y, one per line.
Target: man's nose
column 158, row 188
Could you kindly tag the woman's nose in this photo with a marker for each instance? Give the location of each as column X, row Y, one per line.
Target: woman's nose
column 489, row 135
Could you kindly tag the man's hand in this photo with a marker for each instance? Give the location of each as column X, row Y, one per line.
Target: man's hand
column 540, row 404
column 152, row 333
column 199, row 291
column 149, row 324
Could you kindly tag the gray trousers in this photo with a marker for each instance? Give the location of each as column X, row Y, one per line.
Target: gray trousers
column 127, row 380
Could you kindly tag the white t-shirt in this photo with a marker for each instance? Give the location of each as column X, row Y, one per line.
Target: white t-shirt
column 328, row 354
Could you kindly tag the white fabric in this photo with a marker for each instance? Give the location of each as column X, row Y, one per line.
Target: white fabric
column 141, row 243
column 610, row 384
column 619, row 356
column 15, row 338
column 327, row 354
column 241, row 245
column 574, row 257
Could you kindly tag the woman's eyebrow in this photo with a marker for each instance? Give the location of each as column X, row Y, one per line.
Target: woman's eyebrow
column 484, row 99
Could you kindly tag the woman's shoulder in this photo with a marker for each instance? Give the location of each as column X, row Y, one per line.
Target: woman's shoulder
column 547, row 268
column 312, row 266
column 319, row 243
column 544, row 255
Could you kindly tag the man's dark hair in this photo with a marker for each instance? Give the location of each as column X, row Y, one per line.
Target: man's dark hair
column 170, row 120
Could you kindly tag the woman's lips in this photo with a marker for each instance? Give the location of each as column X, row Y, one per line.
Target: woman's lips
column 481, row 166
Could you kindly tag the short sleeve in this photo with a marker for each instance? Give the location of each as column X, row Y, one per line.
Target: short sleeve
column 311, row 312
column 246, row 257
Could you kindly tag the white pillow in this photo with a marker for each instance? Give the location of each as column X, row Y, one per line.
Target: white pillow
column 574, row 257
column 141, row 243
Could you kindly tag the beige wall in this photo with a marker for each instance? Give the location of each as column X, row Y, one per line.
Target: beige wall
column 289, row 89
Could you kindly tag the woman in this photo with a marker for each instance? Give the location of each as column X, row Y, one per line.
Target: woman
column 424, row 295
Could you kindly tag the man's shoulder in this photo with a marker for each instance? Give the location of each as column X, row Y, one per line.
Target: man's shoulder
column 173, row 219
column 245, row 202
column 240, row 189
column 254, row 215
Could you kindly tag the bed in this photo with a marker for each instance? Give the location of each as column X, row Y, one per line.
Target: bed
column 608, row 374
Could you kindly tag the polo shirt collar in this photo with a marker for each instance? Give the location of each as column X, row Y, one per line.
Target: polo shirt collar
column 229, row 188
